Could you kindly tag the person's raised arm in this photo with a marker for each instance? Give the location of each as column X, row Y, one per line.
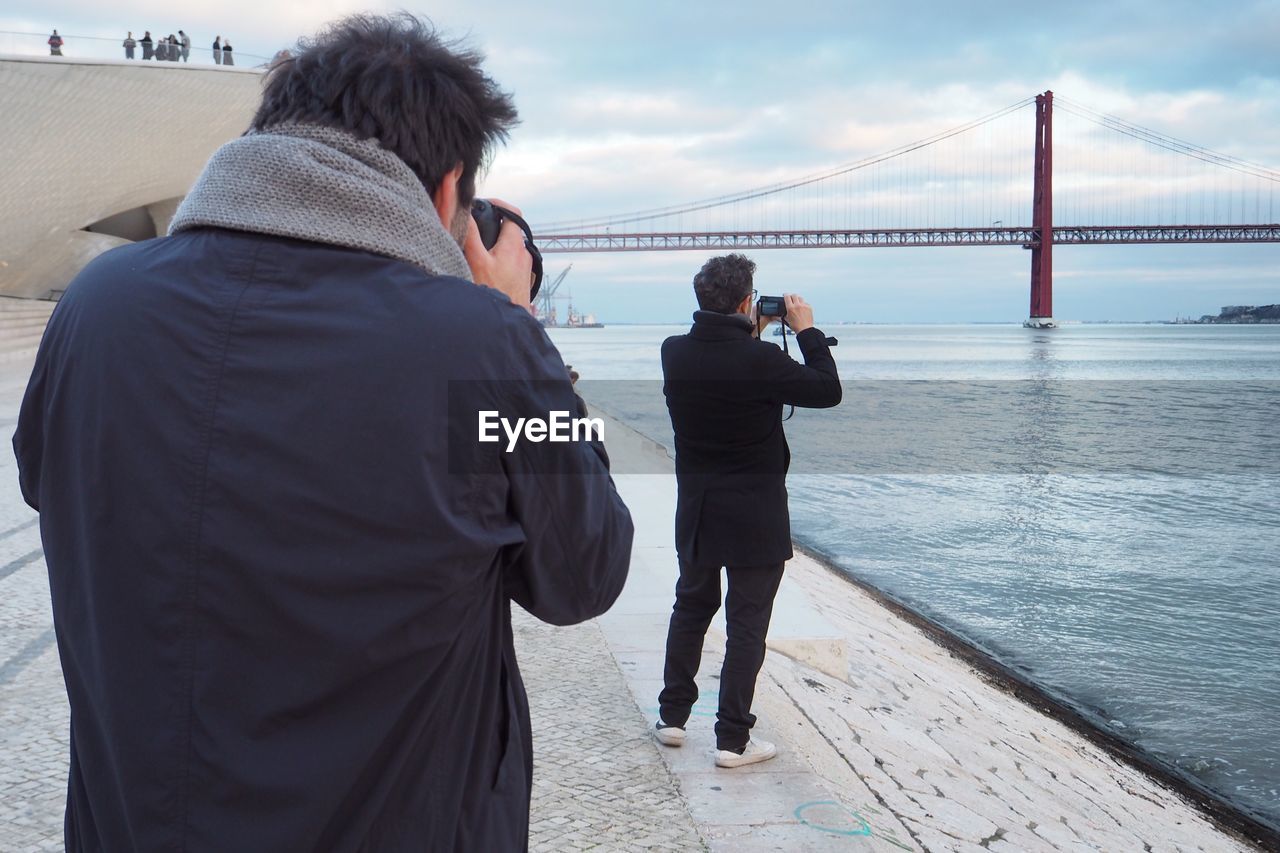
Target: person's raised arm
column 578, row 532
column 814, row 384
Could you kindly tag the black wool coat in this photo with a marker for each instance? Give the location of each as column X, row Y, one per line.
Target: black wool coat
column 281, row 563
column 725, row 392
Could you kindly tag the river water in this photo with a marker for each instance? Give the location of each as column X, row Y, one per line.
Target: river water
column 1098, row 506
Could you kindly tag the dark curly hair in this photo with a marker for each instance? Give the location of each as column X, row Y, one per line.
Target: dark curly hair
column 394, row 79
column 724, row 282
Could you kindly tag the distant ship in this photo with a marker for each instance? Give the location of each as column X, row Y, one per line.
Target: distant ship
column 582, row 321
column 575, row 320
column 548, row 313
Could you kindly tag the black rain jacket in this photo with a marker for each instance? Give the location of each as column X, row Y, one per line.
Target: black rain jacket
column 281, row 591
column 725, row 390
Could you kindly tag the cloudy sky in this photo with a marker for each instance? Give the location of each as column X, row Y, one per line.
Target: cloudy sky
column 631, row 105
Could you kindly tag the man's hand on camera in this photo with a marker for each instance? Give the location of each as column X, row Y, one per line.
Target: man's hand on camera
column 508, row 266
column 799, row 312
column 758, row 321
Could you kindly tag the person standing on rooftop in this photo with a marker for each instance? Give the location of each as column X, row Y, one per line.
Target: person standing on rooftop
column 148, row 46
column 227, row 58
column 129, row 44
column 174, row 48
column 55, row 44
column 162, row 49
column 217, row 50
column 185, row 42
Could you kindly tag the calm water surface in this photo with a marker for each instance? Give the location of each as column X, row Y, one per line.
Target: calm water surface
column 1144, row 588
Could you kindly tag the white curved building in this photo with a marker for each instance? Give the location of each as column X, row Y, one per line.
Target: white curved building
column 96, row 152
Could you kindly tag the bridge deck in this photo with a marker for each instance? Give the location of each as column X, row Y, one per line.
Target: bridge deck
column 866, row 237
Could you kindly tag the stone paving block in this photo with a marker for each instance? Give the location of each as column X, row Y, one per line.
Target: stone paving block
column 795, row 838
column 643, row 633
column 655, row 606
column 743, row 797
column 935, row 840
column 958, row 820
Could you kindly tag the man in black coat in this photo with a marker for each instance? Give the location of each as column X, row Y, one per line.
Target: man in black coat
column 281, row 558
column 725, row 391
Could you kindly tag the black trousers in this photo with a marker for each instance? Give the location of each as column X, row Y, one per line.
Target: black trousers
column 748, row 606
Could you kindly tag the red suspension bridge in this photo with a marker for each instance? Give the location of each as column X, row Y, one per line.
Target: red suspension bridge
column 968, row 186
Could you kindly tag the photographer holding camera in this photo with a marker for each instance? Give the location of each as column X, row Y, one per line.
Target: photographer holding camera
column 283, row 608
column 725, row 390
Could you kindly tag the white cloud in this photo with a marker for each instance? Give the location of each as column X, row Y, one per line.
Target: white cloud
column 638, row 107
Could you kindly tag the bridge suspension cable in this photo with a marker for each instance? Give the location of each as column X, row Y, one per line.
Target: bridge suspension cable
column 1165, row 141
column 1114, row 172
column 781, row 187
column 1114, row 181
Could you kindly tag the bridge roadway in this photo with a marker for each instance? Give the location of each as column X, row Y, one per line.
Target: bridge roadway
column 869, row 237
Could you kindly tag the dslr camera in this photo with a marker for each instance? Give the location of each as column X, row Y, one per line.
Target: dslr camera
column 489, row 218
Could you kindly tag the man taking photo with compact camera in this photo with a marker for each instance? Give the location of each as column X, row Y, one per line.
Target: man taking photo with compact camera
column 281, row 562
column 725, row 390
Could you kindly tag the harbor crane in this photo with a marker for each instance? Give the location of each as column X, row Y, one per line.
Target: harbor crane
column 546, row 306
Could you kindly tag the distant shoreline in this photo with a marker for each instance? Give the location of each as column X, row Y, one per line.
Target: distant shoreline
column 1242, row 315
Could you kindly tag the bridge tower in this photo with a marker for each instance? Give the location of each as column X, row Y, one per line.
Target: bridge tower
column 1042, row 219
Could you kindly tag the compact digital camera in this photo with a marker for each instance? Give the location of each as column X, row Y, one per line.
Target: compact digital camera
column 772, row 306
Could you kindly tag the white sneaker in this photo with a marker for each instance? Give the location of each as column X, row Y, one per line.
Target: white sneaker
column 668, row 735
column 756, row 751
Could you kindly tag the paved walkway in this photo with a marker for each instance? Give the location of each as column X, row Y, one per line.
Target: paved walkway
column 598, row 780
column 887, row 742
column 33, row 704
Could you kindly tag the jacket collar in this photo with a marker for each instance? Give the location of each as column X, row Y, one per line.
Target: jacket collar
column 323, row 185
column 713, row 326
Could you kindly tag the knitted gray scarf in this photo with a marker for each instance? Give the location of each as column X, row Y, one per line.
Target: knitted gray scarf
column 325, row 185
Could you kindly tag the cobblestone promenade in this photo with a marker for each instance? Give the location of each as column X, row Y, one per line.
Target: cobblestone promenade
column 33, row 704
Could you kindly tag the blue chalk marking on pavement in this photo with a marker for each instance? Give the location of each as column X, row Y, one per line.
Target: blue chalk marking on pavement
column 707, row 705
column 699, row 709
column 863, row 829
column 694, row 712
